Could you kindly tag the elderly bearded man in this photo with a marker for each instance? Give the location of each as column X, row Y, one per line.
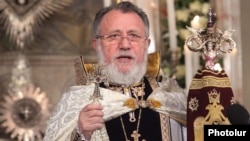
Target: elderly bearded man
column 121, row 41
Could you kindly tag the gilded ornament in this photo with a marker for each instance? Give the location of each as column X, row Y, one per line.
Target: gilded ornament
column 25, row 114
column 210, row 41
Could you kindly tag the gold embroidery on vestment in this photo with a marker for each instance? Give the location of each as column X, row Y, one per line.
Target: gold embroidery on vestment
column 213, row 117
column 210, row 81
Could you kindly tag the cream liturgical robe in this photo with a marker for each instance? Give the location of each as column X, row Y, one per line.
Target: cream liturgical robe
column 168, row 99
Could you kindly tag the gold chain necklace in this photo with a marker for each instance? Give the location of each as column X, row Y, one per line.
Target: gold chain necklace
column 137, row 92
column 135, row 133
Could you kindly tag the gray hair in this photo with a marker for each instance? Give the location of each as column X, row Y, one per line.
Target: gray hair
column 125, row 7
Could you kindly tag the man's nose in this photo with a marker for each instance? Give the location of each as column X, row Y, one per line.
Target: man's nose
column 125, row 43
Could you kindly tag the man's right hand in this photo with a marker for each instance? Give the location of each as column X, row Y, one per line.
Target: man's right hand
column 90, row 119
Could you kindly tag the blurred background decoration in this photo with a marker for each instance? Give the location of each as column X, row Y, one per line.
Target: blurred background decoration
column 190, row 13
column 21, row 18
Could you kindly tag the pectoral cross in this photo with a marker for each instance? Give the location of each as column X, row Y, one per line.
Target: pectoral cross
column 135, row 135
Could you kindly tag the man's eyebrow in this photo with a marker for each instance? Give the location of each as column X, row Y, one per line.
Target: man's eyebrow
column 120, row 32
column 133, row 31
column 116, row 31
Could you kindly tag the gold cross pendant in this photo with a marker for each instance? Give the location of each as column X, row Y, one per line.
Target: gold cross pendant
column 135, row 135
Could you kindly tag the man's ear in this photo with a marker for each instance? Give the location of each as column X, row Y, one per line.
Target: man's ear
column 148, row 42
column 94, row 44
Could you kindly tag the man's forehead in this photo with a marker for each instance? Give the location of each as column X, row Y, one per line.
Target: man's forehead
column 117, row 21
column 120, row 31
column 116, row 13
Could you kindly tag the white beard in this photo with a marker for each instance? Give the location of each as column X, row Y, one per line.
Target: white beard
column 131, row 77
column 117, row 77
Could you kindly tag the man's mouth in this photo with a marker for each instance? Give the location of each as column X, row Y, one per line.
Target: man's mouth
column 124, row 58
